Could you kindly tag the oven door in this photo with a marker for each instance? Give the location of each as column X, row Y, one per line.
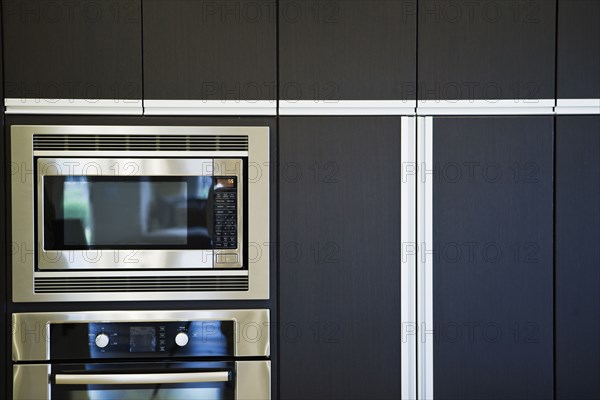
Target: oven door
column 195, row 380
column 138, row 214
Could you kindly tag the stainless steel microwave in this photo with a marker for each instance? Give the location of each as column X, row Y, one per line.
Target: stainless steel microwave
column 139, row 213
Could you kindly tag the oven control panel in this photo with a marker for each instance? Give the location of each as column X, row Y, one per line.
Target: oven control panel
column 226, row 224
column 141, row 340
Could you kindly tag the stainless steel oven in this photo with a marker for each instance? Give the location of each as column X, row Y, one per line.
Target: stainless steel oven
column 147, row 355
column 139, row 213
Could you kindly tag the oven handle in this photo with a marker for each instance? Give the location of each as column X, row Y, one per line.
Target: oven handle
column 141, row 379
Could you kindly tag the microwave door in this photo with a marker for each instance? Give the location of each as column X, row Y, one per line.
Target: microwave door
column 157, row 218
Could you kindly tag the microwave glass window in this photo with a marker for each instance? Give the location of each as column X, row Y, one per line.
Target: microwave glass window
column 87, row 212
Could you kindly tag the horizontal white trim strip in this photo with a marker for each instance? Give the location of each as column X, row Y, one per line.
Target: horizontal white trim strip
column 302, row 107
column 73, row 106
column 347, row 107
column 577, row 106
column 210, row 107
column 486, row 107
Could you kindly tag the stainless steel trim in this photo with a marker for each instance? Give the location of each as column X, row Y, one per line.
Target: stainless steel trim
column 31, row 342
column 141, row 379
column 425, row 258
column 124, row 167
column 253, row 380
column 408, row 273
column 129, row 154
column 23, row 240
column 30, row 382
column 128, row 274
column 347, row 107
column 73, row 106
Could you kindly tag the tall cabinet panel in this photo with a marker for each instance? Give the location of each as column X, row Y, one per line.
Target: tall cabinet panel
column 3, row 256
column 490, row 50
column 72, row 49
column 577, row 257
column 493, row 262
column 210, row 50
column 340, row 258
column 347, row 50
column 578, row 54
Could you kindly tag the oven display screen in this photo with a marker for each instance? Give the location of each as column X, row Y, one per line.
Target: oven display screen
column 142, row 339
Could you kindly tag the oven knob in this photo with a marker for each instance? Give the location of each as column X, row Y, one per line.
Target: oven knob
column 102, row 340
column 181, row 339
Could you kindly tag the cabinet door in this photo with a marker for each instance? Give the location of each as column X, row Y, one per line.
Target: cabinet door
column 347, row 50
column 490, row 50
column 577, row 257
column 72, row 49
column 340, row 258
column 578, row 49
column 493, row 262
column 210, row 50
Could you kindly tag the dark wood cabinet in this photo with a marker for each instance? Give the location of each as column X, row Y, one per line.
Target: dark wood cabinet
column 577, row 257
column 347, row 50
column 578, row 54
column 72, row 49
column 493, row 258
column 339, row 258
column 470, row 50
column 210, row 50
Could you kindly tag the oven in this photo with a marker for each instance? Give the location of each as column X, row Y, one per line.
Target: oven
column 139, row 213
column 216, row 355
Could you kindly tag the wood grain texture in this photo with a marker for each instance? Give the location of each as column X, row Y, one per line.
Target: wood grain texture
column 340, row 258
column 577, row 257
column 486, row 50
column 347, row 50
column 578, row 49
column 210, row 50
column 72, row 50
column 493, row 263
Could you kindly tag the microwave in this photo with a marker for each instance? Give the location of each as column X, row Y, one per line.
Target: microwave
column 139, row 213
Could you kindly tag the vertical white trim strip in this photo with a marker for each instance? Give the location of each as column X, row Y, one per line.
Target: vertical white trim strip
column 425, row 258
column 408, row 272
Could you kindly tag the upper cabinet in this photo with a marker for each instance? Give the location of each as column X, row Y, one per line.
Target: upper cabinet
column 578, row 53
column 496, row 50
column 209, row 55
column 83, row 53
column 347, row 50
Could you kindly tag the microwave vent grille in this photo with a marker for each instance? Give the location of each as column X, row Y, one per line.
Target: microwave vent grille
column 140, row 142
column 141, row 284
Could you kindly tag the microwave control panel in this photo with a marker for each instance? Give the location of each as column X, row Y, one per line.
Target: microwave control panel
column 226, row 211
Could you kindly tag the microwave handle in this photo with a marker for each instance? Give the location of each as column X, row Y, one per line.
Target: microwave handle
column 141, row 379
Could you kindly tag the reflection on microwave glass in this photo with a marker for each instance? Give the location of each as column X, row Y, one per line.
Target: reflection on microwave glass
column 85, row 211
